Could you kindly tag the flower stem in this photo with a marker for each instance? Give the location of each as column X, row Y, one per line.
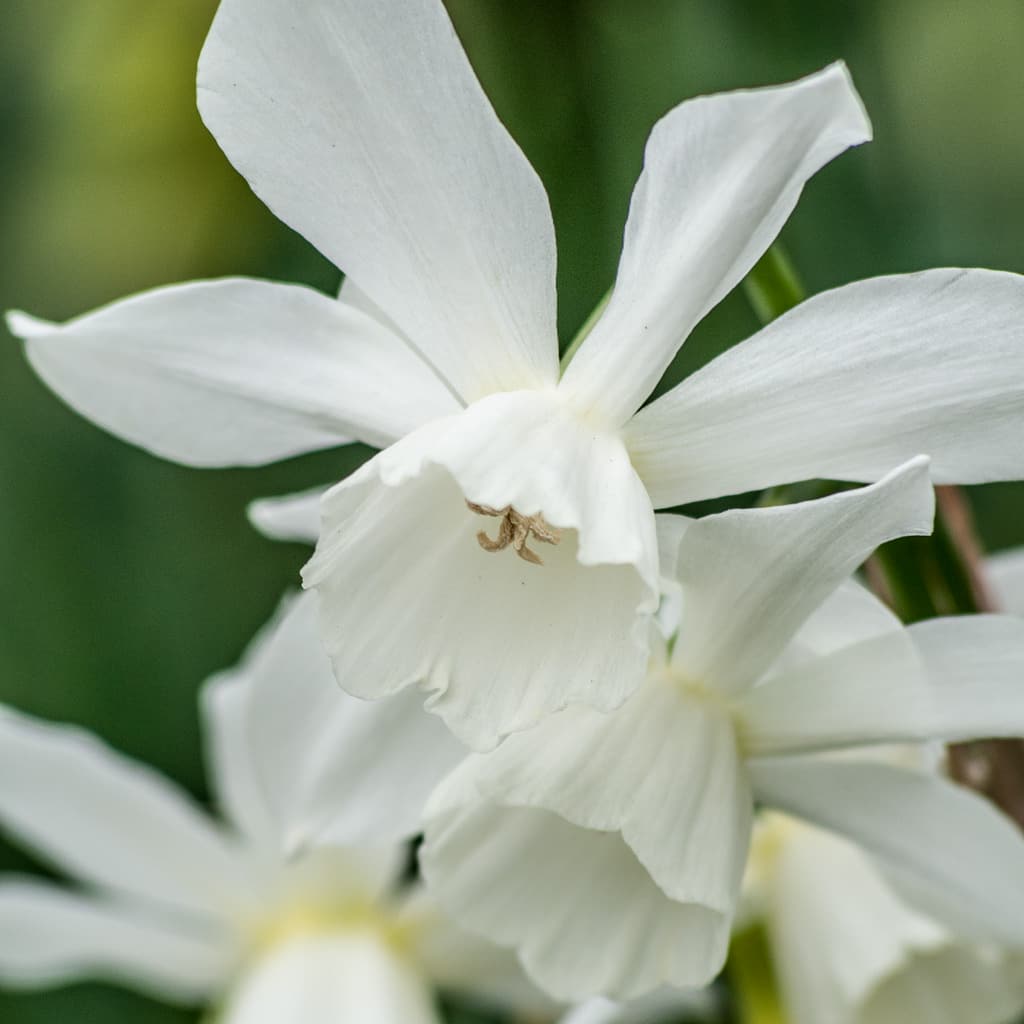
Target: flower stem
column 588, row 326
column 753, row 979
column 773, row 286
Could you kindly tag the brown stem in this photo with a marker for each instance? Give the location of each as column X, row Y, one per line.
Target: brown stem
column 956, row 512
column 994, row 768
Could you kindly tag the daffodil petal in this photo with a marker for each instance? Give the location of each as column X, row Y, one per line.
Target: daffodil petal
column 235, row 372
column 364, row 128
column 112, row 822
column 950, row 852
column 752, row 577
column 663, row 1006
column 50, row 937
column 333, row 768
column 323, row 979
column 291, row 517
column 1005, row 572
column 721, row 176
column 230, row 763
column 946, row 679
column 847, row 385
column 461, row 962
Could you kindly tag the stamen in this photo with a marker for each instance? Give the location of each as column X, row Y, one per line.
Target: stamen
column 515, row 530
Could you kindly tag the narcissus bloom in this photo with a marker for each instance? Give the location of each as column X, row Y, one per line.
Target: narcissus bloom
column 363, row 127
column 608, row 849
column 849, row 949
column 285, row 914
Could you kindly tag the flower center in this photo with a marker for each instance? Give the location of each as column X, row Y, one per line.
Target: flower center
column 515, row 529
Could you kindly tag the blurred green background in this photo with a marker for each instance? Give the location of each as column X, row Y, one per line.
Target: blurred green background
column 126, row 580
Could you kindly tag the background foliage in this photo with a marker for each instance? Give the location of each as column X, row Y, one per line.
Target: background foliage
column 126, row 580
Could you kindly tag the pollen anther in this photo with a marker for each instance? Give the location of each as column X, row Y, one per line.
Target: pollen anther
column 515, row 529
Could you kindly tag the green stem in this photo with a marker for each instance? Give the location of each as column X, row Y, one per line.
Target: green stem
column 773, row 286
column 588, row 326
column 753, row 979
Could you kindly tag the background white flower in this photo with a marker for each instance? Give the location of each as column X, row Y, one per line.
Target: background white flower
column 848, row 950
column 298, row 908
column 634, row 826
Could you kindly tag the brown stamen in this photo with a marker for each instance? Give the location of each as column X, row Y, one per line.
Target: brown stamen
column 515, row 530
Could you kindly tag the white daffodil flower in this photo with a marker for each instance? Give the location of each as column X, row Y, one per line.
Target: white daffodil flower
column 847, row 949
column 285, row 914
column 504, row 543
column 608, row 849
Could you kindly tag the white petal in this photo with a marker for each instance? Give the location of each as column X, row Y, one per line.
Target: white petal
column 335, row 768
column 752, row 577
column 364, row 128
column 846, row 386
column 956, row 985
column 110, row 821
column 670, row 530
column 500, row 642
column 663, row 1006
column 1005, row 573
column 49, row 937
column 351, row 294
column 848, row 616
column 608, row 849
column 348, row 976
column 849, row 951
column 235, row 372
column 229, row 755
column 951, row 852
column 871, row 692
column 951, row 679
column 459, row 961
column 721, row 176
column 293, row 517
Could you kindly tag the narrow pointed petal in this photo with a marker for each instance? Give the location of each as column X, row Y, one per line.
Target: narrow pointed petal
column 50, row 937
column 112, row 822
column 497, row 640
column 663, row 1006
column 363, row 127
column 846, row 386
column 950, row 852
column 670, row 530
column 334, row 768
column 752, row 577
column 945, row 679
column 293, row 517
column 633, row 826
column 721, row 176
column 850, row 615
column 352, row 295
column 1005, row 572
column 324, row 979
column 848, row 951
column 458, row 961
column 235, row 372
column 229, row 757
